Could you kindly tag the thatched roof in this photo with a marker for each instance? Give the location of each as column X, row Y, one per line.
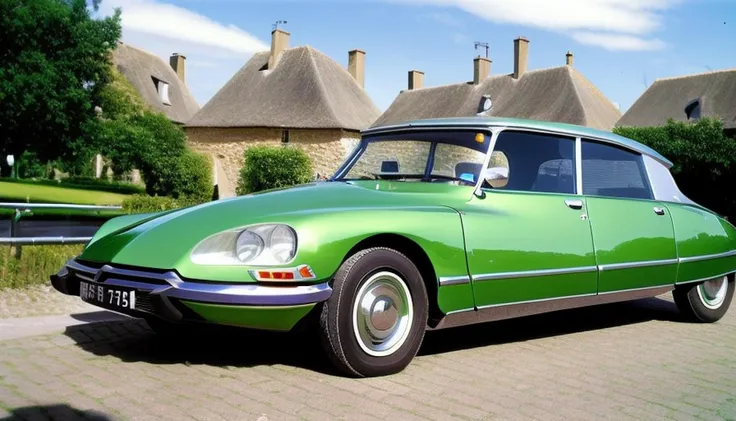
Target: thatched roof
column 667, row 98
column 141, row 67
column 559, row 94
column 307, row 89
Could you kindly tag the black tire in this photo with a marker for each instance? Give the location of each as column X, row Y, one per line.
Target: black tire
column 693, row 304
column 338, row 335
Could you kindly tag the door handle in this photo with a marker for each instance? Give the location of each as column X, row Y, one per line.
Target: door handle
column 658, row 210
column 574, row 203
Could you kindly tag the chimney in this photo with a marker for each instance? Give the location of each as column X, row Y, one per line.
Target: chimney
column 416, row 79
column 279, row 42
column 481, row 69
column 178, row 63
column 569, row 58
column 356, row 66
column 521, row 55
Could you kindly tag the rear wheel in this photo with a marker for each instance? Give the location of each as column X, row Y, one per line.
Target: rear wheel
column 707, row 301
column 374, row 322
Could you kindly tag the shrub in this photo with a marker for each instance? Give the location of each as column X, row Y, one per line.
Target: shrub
column 703, row 157
column 267, row 168
column 35, row 266
column 145, row 204
column 194, row 177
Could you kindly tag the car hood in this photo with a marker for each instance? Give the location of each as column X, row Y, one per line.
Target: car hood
column 165, row 240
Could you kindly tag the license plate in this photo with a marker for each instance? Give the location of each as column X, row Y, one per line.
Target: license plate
column 107, row 296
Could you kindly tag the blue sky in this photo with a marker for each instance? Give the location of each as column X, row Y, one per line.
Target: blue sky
column 620, row 45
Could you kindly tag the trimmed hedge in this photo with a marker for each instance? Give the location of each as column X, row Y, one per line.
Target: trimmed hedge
column 266, row 168
column 83, row 183
column 145, row 204
column 195, row 177
column 704, row 159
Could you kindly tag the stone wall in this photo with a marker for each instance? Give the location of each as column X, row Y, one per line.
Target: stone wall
column 327, row 148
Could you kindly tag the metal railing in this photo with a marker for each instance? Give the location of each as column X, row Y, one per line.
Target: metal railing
column 20, row 208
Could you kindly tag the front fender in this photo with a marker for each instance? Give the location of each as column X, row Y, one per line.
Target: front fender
column 326, row 236
column 121, row 223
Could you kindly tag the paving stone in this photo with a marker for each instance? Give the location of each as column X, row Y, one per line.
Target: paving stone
column 627, row 361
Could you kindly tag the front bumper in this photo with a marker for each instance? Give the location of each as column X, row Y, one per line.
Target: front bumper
column 166, row 295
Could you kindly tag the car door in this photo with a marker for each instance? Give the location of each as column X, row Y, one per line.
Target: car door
column 633, row 234
column 530, row 239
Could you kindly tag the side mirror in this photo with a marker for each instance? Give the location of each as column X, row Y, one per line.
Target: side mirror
column 496, row 176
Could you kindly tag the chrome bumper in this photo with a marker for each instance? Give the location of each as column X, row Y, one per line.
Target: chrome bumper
column 170, row 285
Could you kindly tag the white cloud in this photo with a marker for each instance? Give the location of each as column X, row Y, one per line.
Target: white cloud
column 618, row 42
column 214, row 50
column 177, row 23
column 612, row 24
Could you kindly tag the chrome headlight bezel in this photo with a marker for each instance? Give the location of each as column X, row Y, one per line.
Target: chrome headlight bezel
column 221, row 249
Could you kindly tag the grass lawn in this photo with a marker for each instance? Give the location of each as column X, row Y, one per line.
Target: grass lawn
column 17, row 192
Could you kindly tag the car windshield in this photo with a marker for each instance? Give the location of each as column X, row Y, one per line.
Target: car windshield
column 432, row 156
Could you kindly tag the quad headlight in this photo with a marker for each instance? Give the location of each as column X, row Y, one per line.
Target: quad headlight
column 268, row 244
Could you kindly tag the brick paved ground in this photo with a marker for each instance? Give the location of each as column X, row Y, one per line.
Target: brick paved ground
column 622, row 361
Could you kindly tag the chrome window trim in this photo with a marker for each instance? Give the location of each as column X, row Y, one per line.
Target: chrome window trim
column 495, row 131
column 707, row 257
column 531, row 273
column 454, row 280
column 489, row 123
column 641, row 264
column 579, row 165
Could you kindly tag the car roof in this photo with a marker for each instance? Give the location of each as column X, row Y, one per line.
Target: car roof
column 553, row 127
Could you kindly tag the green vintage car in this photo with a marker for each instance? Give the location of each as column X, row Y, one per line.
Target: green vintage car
column 427, row 225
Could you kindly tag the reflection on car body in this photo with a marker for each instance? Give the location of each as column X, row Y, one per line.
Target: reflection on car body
column 427, row 225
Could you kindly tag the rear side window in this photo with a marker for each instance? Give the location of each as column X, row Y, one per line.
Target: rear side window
column 614, row 172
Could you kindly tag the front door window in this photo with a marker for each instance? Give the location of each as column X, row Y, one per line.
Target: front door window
column 536, row 162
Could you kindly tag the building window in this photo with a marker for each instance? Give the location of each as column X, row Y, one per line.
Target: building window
column 692, row 109
column 284, row 136
column 163, row 90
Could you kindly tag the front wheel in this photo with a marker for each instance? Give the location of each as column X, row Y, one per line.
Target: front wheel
column 705, row 302
column 374, row 322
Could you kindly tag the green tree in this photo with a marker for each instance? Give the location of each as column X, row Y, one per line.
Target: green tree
column 54, row 60
column 703, row 157
column 135, row 136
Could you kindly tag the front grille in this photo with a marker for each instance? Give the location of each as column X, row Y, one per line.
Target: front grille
column 143, row 302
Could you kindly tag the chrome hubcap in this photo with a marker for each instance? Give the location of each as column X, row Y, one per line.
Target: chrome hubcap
column 382, row 314
column 713, row 292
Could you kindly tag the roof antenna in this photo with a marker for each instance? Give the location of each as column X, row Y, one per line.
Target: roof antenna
column 481, row 44
column 278, row 22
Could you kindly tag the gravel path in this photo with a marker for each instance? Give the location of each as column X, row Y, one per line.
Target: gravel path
column 41, row 300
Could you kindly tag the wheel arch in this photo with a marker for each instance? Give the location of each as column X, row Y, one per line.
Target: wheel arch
column 414, row 252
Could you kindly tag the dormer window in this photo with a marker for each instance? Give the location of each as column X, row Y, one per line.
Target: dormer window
column 163, row 90
column 692, row 109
